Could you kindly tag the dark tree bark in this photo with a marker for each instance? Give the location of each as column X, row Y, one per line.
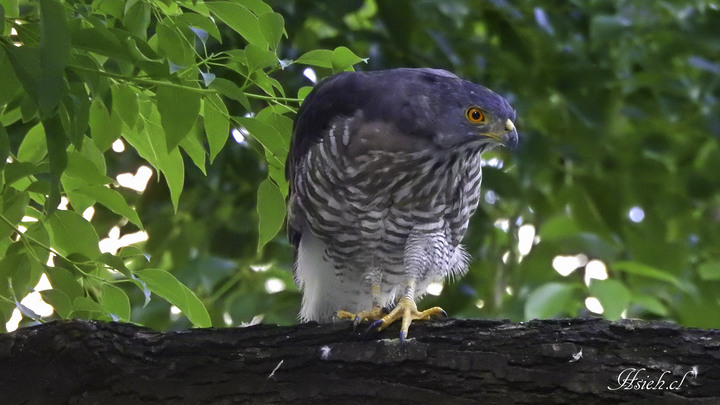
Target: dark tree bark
column 450, row 361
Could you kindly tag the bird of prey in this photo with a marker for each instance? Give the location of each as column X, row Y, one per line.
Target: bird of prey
column 384, row 173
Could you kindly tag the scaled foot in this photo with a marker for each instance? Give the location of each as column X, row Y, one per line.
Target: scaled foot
column 374, row 314
column 407, row 311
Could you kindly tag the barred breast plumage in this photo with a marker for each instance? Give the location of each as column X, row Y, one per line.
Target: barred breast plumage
column 377, row 200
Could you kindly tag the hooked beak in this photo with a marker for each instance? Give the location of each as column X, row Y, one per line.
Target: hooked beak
column 510, row 138
column 506, row 135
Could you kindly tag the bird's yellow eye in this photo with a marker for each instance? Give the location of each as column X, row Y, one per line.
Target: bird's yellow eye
column 475, row 115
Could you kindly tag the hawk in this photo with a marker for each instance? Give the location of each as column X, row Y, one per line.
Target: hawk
column 384, row 173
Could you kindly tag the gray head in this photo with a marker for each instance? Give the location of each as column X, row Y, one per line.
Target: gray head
column 430, row 104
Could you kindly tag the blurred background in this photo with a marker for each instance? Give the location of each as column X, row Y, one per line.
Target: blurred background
column 609, row 207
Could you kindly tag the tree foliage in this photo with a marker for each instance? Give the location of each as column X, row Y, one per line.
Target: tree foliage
column 616, row 174
column 77, row 76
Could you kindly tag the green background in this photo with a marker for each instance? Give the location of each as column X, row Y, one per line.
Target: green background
column 617, row 106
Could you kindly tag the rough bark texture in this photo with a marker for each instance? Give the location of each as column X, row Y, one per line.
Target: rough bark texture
column 451, row 361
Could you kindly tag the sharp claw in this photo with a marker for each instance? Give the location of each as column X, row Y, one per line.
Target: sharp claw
column 444, row 314
column 374, row 325
column 356, row 322
column 402, row 336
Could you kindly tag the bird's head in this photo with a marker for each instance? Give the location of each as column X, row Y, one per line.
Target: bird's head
column 469, row 113
column 413, row 109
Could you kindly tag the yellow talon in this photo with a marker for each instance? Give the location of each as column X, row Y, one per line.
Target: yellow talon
column 374, row 314
column 406, row 310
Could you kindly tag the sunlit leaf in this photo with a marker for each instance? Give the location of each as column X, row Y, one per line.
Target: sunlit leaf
column 230, row 90
column 111, row 199
column 115, row 301
column 271, row 212
column 613, row 296
column 193, row 147
column 80, row 167
column 179, row 109
column 105, row 126
column 125, row 102
column 645, row 270
column 200, row 22
column 168, row 287
column 137, row 19
column 549, row 300
column 54, row 51
column 33, row 148
column 217, row 124
column 317, row 57
column 151, row 145
column 239, row 19
column 86, row 304
column 343, row 59
column 57, row 156
column 71, row 233
column 59, row 301
column 651, row 304
column 259, row 58
column 63, row 280
column 271, row 27
column 12, row 208
column 709, row 271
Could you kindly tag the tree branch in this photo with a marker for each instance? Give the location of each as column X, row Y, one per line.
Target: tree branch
column 450, row 361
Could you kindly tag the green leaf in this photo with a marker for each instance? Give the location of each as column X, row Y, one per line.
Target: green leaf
column 63, row 280
column 644, row 270
column 9, row 85
column 116, row 263
column 193, row 147
column 168, row 287
column 651, row 304
column 125, row 103
column 71, row 233
column 259, row 58
column 709, row 271
column 4, row 147
column 549, row 300
column 59, row 301
column 559, row 227
column 239, row 19
column 318, row 57
column 33, row 148
column 271, row 212
column 137, row 19
column 80, row 167
column 179, row 110
column 343, row 59
column 217, row 124
column 105, row 127
column 271, row 27
column 112, row 200
column 57, row 156
column 202, row 22
column 151, row 146
column 173, row 44
column 74, row 112
column 25, row 62
column 613, row 296
column 54, row 51
column 268, row 136
column 115, row 301
column 12, row 208
column 231, row 91
column 303, row 92
column 85, row 304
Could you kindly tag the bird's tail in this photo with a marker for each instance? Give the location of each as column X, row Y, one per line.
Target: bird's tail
column 321, row 288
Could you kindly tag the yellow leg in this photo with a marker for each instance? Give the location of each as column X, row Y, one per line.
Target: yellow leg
column 407, row 311
column 373, row 314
